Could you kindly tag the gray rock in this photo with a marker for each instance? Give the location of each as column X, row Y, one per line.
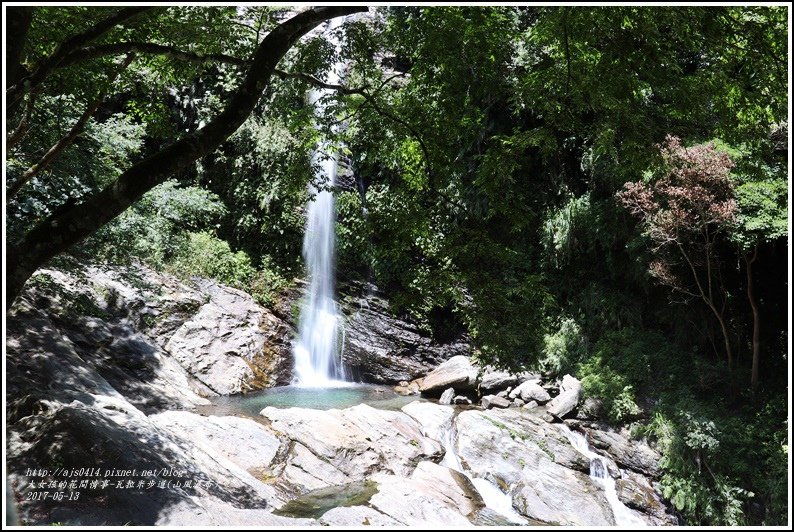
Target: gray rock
column 504, row 393
column 569, row 383
column 433, row 419
column 591, row 408
column 461, row 400
column 433, row 496
column 535, row 463
column 447, row 397
column 530, row 391
column 629, row 453
column 248, row 444
column 457, row 372
column 382, row 348
column 636, row 492
column 531, row 404
column 565, row 403
column 211, row 512
column 409, row 388
column 518, row 402
column 226, row 346
column 357, row 441
column 493, row 381
column 493, row 401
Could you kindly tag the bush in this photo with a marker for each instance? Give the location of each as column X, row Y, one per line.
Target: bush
column 562, row 348
column 156, row 226
column 205, row 255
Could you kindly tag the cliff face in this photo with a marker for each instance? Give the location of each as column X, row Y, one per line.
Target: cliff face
column 382, row 348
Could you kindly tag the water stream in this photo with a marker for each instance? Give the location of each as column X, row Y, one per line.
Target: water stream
column 492, row 496
column 600, row 475
column 317, row 353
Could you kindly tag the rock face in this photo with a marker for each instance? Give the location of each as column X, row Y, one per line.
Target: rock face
column 563, row 404
column 628, row 453
column 447, row 397
column 534, row 462
column 350, row 444
column 637, row 493
column 457, row 373
column 381, row 348
column 434, row 495
column 232, row 344
column 433, row 419
column 89, row 382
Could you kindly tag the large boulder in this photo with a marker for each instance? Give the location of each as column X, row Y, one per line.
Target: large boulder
column 232, row 344
column 457, row 372
column 535, row 463
column 447, row 397
column 434, row 420
column 433, row 496
column 493, row 381
column 494, row 401
column 566, row 401
column 637, row 493
column 530, row 390
column 382, row 348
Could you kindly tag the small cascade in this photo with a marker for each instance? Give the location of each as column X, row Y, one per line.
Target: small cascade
column 317, row 352
column 600, row 475
column 492, row 496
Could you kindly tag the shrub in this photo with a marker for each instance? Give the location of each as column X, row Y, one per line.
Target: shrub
column 205, row 255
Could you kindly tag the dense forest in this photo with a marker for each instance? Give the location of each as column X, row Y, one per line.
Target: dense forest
column 599, row 191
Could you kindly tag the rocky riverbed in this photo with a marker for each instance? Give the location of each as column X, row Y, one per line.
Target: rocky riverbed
column 110, row 373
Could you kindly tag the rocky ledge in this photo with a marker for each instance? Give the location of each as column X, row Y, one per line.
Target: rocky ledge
column 101, row 381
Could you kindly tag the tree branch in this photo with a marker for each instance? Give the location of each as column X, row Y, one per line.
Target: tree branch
column 22, row 128
column 67, row 140
column 33, row 80
column 101, row 50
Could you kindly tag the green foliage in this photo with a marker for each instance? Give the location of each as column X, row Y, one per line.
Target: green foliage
column 763, row 209
column 205, row 255
column 561, row 227
column 157, row 225
column 563, row 347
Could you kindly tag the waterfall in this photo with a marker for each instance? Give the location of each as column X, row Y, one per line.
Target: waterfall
column 600, row 475
column 317, row 355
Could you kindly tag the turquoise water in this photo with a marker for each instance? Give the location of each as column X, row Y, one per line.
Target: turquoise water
column 249, row 405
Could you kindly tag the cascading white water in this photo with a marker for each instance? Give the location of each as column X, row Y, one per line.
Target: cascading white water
column 316, row 351
column 600, row 474
column 492, row 496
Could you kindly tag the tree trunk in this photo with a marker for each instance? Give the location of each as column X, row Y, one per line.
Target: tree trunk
column 18, row 21
column 725, row 339
column 62, row 230
column 754, row 379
